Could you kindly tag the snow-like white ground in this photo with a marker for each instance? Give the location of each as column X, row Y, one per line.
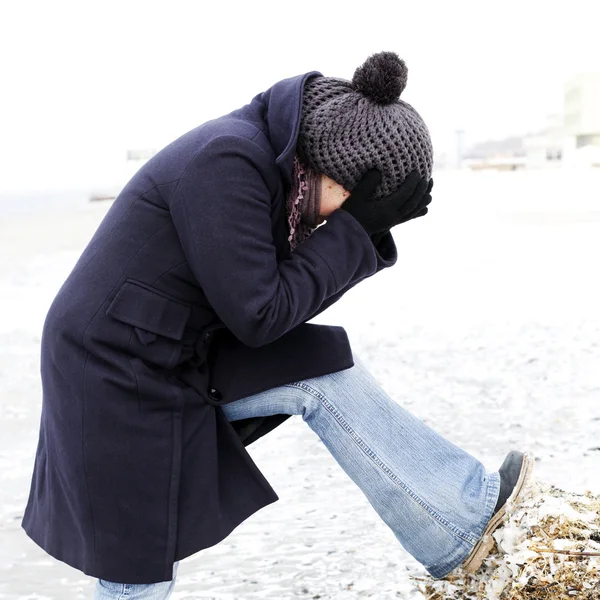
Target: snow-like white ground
column 488, row 329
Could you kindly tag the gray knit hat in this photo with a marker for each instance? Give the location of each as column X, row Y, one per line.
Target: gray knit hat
column 349, row 127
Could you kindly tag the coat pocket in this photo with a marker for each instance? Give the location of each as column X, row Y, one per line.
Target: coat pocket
column 158, row 322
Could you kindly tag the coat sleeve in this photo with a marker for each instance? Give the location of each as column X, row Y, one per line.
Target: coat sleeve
column 387, row 255
column 221, row 210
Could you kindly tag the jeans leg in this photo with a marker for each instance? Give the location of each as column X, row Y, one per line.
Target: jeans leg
column 436, row 498
column 107, row 590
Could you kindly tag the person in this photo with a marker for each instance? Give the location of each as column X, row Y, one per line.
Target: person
column 182, row 336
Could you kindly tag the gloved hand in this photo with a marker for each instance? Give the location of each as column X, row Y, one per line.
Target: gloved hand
column 420, row 211
column 408, row 202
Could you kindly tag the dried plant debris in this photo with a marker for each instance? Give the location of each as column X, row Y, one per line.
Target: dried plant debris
column 547, row 549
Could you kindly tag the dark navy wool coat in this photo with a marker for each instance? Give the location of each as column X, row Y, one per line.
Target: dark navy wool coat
column 186, row 297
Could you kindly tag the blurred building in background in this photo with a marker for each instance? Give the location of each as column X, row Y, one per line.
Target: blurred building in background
column 582, row 119
column 545, row 148
column 507, row 154
column 571, row 138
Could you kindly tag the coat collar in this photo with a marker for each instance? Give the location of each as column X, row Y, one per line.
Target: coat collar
column 282, row 106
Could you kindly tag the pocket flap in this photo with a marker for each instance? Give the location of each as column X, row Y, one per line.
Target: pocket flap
column 147, row 308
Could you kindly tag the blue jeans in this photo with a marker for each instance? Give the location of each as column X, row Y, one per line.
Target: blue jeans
column 436, row 498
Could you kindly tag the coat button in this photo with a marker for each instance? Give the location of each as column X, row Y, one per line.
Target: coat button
column 215, row 394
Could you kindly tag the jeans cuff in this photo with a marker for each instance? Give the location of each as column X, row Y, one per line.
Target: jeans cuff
column 459, row 556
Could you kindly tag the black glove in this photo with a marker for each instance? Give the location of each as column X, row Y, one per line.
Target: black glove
column 420, row 211
column 408, row 202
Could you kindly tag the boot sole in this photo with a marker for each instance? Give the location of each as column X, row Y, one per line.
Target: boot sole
column 486, row 543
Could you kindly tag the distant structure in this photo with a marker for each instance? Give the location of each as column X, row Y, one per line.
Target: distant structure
column 582, row 119
column 507, row 154
column 545, row 148
column 570, row 138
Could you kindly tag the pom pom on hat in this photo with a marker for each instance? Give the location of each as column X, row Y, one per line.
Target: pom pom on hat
column 382, row 78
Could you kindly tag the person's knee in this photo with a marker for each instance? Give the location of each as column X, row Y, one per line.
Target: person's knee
column 307, row 396
column 333, row 388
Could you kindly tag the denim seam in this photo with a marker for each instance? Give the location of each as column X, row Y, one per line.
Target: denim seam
column 493, row 490
column 453, row 529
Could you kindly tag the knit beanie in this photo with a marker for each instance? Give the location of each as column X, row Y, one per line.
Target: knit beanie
column 350, row 127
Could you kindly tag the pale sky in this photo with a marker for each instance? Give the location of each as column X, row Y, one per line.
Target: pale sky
column 82, row 81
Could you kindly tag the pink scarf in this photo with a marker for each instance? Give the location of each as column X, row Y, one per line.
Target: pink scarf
column 303, row 203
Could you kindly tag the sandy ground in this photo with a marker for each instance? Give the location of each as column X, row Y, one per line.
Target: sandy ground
column 488, row 329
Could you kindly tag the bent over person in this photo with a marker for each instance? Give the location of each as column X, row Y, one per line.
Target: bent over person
column 181, row 337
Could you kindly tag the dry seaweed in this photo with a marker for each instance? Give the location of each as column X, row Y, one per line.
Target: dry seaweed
column 547, row 549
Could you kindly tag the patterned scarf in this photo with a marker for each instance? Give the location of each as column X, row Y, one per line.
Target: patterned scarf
column 303, row 203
